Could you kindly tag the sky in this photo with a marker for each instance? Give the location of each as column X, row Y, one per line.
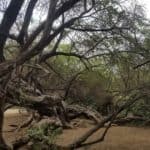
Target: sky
column 146, row 4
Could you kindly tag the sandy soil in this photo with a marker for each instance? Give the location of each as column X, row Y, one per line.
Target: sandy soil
column 118, row 138
column 13, row 117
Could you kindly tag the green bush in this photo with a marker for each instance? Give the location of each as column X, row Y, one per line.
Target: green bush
column 44, row 136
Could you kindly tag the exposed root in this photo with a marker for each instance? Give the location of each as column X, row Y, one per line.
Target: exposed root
column 26, row 123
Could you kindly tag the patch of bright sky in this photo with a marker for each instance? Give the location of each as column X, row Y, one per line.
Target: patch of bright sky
column 146, row 4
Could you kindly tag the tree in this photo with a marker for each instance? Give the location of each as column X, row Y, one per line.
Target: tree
column 93, row 28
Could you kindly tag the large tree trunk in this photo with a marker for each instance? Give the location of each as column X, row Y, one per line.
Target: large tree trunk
column 3, row 145
column 7, row 22
column 2, row 142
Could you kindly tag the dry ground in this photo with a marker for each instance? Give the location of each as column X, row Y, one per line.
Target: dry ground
column 118, row 138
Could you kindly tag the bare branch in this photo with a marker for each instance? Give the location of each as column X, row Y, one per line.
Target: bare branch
column 42, row 44
column 27, row 20
column 84, row 29
column 7, row 22
column 142, row 64
column 53, row 51
column 65, row 7
column 11, row 36
column 99, row 139
column 83, row 138
column 50, row 19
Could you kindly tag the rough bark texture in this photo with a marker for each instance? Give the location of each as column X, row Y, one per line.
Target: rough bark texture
column 7, row 22
column 2, row 141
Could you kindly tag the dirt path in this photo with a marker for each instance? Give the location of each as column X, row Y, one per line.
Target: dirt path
column 118, row 138
column 13, row 117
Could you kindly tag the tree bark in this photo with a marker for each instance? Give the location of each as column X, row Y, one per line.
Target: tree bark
column 2, row 141
column 7, row 22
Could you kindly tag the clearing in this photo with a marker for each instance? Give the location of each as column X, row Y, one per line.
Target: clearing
column 118, row 138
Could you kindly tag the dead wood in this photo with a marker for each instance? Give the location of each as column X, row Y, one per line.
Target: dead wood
column 126, row 120
column 48, row 121
column 80, row 141
column 75, row 111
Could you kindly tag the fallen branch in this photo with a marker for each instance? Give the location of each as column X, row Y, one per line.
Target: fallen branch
column 77, row 110
column 99, row 139
column 78, row 143
column 123, row 121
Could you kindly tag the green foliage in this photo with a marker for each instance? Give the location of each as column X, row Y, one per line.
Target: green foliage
column 141, row 108
column 44, row 135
